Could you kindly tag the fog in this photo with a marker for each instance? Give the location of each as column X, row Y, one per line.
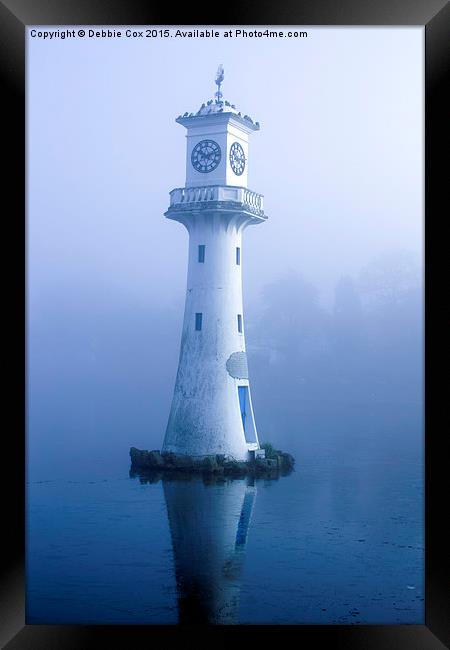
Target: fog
column 332, row 281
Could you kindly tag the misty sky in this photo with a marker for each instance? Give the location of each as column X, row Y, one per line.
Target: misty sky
column 339, row 157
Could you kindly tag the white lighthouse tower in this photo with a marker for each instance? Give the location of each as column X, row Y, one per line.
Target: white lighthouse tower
column 212, row 409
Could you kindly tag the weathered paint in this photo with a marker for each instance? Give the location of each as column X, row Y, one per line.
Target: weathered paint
column 205, row 416
column 237, row 365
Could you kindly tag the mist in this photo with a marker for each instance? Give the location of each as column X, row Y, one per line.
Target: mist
column 333, row 282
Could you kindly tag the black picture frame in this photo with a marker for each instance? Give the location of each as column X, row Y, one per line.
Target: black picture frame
column 15, row 15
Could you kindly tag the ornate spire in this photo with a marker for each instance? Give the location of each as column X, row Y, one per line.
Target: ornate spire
column 219, row 78
column 219, row 105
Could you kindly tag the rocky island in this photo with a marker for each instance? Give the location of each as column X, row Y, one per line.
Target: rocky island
column 269, row 463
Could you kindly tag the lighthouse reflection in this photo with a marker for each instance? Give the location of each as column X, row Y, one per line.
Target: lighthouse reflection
column 209, row 525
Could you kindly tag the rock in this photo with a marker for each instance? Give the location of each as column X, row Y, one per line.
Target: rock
column 177, row 461
column 139, row 458
column 266, row 466
column 276, row 462
column 146, row 459
column 209, row 464
column 182, row 462
column 235, row 467
column 155, row 459
column 288, row 461
column 168, row 458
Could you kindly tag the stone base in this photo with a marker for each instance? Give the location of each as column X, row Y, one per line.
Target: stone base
column 277, row 464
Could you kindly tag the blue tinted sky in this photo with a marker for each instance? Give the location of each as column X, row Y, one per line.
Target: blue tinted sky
column 339, row 159
column 339, row 156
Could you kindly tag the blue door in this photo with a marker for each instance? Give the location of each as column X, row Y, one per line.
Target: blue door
column 243, row 401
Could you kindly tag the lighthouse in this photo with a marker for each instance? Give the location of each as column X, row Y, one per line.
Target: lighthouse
column 212, row 410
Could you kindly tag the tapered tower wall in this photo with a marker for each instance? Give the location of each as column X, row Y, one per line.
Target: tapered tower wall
column 211, row 409
column 205, row 417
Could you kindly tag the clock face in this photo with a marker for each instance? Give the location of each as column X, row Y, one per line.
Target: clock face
column 237, row 158
column 205, row 156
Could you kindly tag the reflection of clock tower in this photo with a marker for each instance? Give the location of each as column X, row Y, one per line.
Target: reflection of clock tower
column 211, row 409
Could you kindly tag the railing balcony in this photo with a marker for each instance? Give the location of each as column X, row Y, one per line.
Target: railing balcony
column 186, row 197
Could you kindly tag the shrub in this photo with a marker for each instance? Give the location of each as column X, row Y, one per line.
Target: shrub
column 270, row 451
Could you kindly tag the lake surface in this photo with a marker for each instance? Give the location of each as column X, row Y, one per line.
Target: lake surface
column 340, row 541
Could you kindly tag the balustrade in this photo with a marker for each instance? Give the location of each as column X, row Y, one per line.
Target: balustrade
column 252, row 201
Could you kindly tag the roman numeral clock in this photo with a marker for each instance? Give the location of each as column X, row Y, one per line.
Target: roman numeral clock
column 237, row 158
column 206, row 156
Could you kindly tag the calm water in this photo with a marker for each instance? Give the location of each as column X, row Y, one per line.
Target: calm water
column 338, row 541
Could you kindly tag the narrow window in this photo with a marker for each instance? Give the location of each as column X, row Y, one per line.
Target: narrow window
column 201, row 253
column 239, row 323
column 238, row 255
column 198, row 321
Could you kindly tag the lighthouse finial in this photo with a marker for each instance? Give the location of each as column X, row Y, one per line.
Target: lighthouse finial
column 219, row 78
